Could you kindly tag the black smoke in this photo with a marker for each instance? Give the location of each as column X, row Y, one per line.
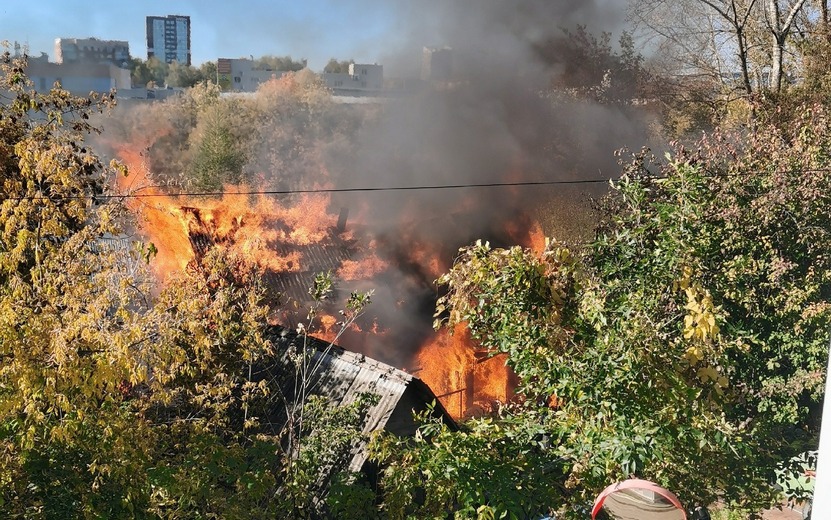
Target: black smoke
column 502, row 116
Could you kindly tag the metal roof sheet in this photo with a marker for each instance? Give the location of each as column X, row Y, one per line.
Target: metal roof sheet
column 342, row 376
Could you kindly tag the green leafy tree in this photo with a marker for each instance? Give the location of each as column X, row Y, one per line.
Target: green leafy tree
column 230, row 442
column 686, row 343
column 207, row 72
column 152, row 72
column 120, row 398
column 295, row 120
column 280, row 63
column 69, row 342
column 182, row 76
column 281, row 136
column 589, row 68
column 217, row 156
column 492, row 468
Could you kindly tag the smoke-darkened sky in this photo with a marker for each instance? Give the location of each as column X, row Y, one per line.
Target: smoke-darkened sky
column 364, row 30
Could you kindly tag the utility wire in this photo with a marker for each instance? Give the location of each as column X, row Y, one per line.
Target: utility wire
column 136, row 195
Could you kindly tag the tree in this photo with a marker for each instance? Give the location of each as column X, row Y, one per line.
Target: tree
column 150, row 72
column 686, row 343
column 120, row 398
column 68, row 340
column 589, row 68
column 282, row 134
column 280, row 63
column 780, row 22
column 207, row 72
column 183, row 76
column 218, row 158
column 492, row 468
column 295, row 120
column 722, row 37
column 229, row 440
column 335, row 66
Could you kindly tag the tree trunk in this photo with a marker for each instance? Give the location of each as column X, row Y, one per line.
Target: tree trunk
column 776, row 65
column 780, row 31
column 748, row 86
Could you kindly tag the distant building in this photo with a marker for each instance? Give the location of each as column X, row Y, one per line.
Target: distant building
column 78, row 78
column 147, row 94
column 362, row 79
column 437, row 64
column 92, row 50
column 242, row 74
column 168, row 38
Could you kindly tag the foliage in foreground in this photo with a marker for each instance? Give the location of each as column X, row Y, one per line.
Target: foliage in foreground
column 118, row 399
column 473, row 472
column 685, row 344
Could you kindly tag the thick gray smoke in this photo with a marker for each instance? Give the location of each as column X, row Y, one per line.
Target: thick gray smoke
column 496, row 119
column 521, row 101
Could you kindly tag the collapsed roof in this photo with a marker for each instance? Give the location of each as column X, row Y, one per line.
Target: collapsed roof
column 343, row 376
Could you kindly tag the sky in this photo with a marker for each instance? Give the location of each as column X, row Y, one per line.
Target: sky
column 313, row 29
column 389, row 32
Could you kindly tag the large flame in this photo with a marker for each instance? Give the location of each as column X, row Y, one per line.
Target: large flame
column 467, row 381
column 281, row 238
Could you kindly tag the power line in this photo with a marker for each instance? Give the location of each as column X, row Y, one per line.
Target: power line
column 136, row 195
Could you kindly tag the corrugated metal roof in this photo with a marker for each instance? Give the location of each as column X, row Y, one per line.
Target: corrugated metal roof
column 343, row 376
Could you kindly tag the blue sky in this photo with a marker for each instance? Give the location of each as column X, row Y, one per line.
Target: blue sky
column 313, row 29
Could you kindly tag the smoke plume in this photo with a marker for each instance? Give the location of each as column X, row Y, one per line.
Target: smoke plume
column 494, row 120
column 523, row 100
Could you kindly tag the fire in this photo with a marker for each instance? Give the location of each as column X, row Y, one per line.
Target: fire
column 159, row 216
column 261, row 231
column 422, row 254
column 327, row 331
column 301, row 236
column 361, row 269
column 468, row 382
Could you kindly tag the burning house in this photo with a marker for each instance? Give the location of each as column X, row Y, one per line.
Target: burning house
column 291, row 242
column 421, row 176
column 466, row 380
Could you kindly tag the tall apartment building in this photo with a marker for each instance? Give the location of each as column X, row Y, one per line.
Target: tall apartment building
column 168, row 38
column 92, row 50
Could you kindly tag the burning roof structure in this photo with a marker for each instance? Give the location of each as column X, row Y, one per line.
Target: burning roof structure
column 293, row 242
column 291, row 239
column 301, row 260
column 467, row 380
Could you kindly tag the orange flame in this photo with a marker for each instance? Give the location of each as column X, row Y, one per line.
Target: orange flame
column 272, row 235
column 159, row 218
column 467, row 382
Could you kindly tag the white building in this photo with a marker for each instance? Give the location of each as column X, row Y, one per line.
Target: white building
column 78, row 78
column 241, row 75
column 362, row 79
